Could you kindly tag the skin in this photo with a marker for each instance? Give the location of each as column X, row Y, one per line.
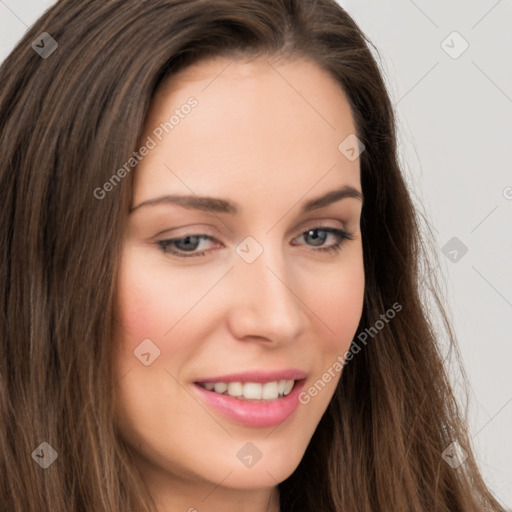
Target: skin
column 265, row 134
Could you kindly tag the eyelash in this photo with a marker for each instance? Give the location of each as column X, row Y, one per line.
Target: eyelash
column 343, row 236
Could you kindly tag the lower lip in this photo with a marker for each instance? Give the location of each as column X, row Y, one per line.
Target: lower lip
column 253, row 414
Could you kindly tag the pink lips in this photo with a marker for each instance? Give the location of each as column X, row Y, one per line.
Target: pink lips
column 254, row 414
column 258, row 376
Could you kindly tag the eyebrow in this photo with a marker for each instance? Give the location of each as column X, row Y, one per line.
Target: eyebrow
column 217, row 205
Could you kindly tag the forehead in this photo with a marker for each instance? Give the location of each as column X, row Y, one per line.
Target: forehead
column 275, row 123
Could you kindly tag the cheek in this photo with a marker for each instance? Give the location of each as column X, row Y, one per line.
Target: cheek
column 139, row 314
column 151, row 303
column 133, row 311
column 337, row 302
column 144, row 302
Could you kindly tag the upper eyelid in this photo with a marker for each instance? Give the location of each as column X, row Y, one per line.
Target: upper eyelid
column 307, row 225
column 199, row 233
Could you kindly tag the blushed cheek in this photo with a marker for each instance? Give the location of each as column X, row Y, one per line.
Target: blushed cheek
column 133, row 309
column 134, row 317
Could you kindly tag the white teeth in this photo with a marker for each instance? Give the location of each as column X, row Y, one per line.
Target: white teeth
column 235, row 389
column 269, row 390
column 252, row 390
column 220, row 387
column 288, row 387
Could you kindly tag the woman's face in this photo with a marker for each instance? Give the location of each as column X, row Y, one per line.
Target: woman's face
column 247, row 294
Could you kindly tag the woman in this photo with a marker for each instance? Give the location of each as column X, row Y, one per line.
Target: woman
column 211, row 271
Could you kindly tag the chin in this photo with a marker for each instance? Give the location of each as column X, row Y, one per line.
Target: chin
column 274, row 466
column 258, row 477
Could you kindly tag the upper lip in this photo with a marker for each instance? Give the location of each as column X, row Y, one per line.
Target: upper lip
column 257, row 376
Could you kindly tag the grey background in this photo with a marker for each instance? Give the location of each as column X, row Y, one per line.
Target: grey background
column 455, row 129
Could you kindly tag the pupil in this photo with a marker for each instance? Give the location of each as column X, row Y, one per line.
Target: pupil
column 317, row 239
column 186, row 242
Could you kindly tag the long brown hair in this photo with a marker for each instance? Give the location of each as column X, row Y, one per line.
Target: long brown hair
column 68, row 122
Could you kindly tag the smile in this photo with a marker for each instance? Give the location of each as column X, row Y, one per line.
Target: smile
column 251, row 390
column 255, row 399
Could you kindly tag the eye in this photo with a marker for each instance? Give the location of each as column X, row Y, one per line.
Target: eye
column 186, row 246
column 318, row 235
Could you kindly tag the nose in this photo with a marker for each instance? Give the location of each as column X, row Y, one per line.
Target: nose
column 264, row 303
